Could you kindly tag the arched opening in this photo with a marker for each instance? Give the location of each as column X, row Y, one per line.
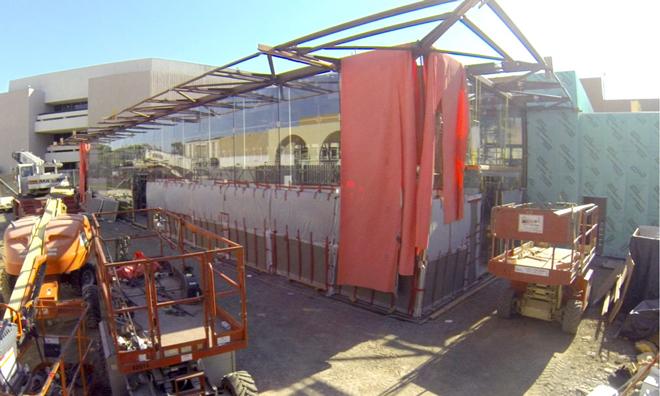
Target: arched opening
column 292, row 150
column 330, row 148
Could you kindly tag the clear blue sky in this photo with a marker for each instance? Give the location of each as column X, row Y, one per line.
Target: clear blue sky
column 593, row 37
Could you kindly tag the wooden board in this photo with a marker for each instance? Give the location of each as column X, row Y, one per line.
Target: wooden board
column 606, row 273
column 185, row 335
column 540, row 257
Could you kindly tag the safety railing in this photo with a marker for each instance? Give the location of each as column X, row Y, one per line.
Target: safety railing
column 195, row 248
column 524, row 230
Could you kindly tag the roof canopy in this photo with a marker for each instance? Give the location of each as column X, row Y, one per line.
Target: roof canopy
column 429, row 23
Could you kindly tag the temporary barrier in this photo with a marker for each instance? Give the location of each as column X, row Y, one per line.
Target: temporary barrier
column 293, row 232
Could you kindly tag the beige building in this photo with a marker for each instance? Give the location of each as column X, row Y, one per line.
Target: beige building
column 38, row 112
column 312, row 141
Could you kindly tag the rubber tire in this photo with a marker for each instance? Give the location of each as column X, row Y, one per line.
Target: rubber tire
column 87, row 275
column 90, row 293
column 506, row 303
column 239, row 383
column 7, row 283
column 572, row 316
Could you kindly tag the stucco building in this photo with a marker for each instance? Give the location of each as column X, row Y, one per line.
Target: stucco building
column 38, row 112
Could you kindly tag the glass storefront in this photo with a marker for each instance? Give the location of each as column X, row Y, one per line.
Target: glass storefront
column 287, row 135
column 278, row 135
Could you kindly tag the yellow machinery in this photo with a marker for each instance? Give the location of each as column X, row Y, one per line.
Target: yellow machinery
column 35, row 358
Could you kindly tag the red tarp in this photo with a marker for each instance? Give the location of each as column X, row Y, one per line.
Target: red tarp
column 444, row 92
column 83, row 149
column 385, row 210
column 378, row 149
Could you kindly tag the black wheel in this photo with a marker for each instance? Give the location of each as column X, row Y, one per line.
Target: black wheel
column 7, row 283
column 239, row 383
column 90, row 293
column 571, row 316
column 87, row 275
column 506, row 303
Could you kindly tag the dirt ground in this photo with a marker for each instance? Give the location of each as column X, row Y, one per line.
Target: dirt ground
column 304, row 343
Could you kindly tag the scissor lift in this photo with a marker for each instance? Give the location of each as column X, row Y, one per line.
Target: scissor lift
column 546, row 253
column 175, row 305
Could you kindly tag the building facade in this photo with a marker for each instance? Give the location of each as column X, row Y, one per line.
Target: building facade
column 38, row 112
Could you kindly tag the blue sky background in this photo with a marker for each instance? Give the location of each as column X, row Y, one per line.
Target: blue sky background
column 595, row 38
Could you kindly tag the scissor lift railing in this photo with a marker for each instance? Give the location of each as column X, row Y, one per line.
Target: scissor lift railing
column 568, row 232
column 174, row 233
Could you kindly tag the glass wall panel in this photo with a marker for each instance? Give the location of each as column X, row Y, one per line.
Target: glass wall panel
column 279, row 135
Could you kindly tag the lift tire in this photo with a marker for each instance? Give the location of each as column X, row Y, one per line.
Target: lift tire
column 87, row 275
column 239, row 383
column 571, row 316
column 83, row 276
column 90, row 294
column 506, row 303
column 7, row 283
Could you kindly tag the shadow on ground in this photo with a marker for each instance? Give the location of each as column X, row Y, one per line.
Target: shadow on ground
column 304, row 343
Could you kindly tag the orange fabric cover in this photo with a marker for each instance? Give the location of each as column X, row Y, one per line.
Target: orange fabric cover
column 83, row 149
column 385, row 208
column 445, row 91
column 378, row 161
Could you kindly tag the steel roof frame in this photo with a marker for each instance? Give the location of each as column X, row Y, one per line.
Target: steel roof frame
column 229, row 81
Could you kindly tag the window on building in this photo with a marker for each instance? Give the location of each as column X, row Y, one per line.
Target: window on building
column 64, row 107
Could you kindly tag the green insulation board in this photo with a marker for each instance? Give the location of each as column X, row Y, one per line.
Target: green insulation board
column 552, row 156
column 619, row 157
column 611, row 155
column 608, row 155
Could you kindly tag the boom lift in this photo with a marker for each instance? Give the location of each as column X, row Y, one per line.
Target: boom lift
column 35, row 176
column 40, row 252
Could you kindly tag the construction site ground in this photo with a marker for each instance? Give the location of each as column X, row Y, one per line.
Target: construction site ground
column 301, row 342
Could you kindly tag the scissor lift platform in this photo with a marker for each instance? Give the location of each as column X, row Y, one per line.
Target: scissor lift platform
column 174, row 300
column 545, row 254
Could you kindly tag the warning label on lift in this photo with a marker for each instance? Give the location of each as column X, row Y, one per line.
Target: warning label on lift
column 532, row 271
column 530, row 223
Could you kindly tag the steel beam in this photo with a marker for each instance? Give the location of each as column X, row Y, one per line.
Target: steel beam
column 365, row 20
column 516, row 32
column 219, row 84
column 427, row 41
column 484, row 37
column 375, row 32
